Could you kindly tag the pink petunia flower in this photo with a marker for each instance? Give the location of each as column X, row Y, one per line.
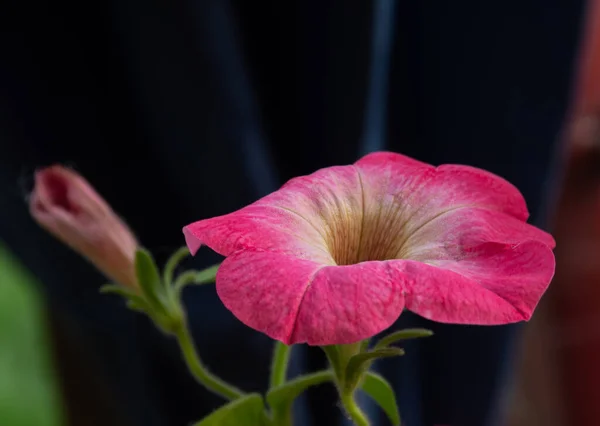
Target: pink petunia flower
column 67, row 206
column 334, row 257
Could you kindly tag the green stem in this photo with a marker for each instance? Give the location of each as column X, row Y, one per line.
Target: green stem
column 281, row 357
column 199, row 371
column 282, row 416
column 333, row 357
column 356, row 414
column 339, row 357
column 172, row 263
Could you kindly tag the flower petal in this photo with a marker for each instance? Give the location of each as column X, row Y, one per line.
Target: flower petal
column 264, row 289
column 294, row 300
column 258, row 226
column 398, row 161
column 418, row 192
column 478, row 251
column 346, row 304
column 455, row 186
column 453, row 235
column 307, row 217
column 499, row 284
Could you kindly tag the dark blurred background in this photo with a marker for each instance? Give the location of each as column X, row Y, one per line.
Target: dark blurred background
column 177, row 111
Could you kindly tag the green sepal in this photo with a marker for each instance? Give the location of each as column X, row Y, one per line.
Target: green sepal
column 358, row 364
column 246, row 411
column 125, row 292
column 134, row 301
column 382, row 393
column 138, row 304
column 149, row 279
column 407, row 334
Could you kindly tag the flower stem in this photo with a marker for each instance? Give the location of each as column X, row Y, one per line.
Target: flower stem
column 199, row 371
column 172, row 263
column 339, row 357
column 281, row 357
column 282, row 417
column 356, row 414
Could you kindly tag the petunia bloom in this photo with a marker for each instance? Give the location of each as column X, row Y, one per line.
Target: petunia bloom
column 67, row 206
column 334, row 257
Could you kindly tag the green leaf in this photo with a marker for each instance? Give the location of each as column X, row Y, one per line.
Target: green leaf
column 409, row 333
column 149, row 278
column 245, row 411
column 359, row 363
column 292, row 389
column 138, row 304
column 135, row 302
column 382, row 393
column 126, row 292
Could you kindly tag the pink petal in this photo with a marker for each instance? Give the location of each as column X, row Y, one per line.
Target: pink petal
column 264, row 290
column 424, row 191
column 452, row 235
column 494, row 255
column 307, row 217
column 398, row 161
column 455, row 186
column 294, row 300
column 346, row 304
column 258, row 226
column 499, row 284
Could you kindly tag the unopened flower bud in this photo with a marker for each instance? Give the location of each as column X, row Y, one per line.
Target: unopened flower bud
column 67, row 206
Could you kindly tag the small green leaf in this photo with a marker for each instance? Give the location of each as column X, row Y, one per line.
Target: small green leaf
column 409, row 333
column 382, row 393
column 138, row 304
column 245, row 411
column 292, row 389
column 359, row 363
column 126, row 292
column 134, row 301
column 149, row 278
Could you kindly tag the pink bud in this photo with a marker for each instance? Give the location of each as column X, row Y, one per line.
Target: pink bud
column 67, row 206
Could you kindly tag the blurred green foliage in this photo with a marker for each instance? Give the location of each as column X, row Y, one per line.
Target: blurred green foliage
column 29, row 393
